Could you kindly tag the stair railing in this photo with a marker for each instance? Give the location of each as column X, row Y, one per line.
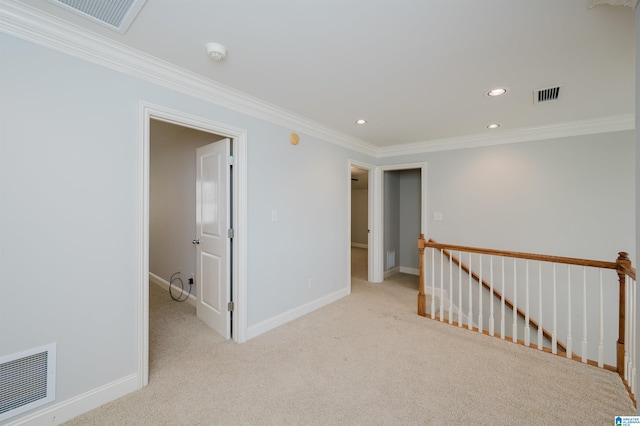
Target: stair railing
column 592, row 291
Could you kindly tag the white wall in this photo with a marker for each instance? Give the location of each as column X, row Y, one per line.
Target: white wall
column 571, row 196
column 69, row 167
column 172, row 198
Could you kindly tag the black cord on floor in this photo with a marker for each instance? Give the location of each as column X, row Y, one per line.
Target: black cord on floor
column 181, row 297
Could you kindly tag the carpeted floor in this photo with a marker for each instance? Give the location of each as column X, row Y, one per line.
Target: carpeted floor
column 366, row 359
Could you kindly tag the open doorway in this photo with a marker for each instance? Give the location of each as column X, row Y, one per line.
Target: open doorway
column 359, row 223
column 149, row 114
column 402, row 213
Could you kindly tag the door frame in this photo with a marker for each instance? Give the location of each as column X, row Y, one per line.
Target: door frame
column 380, row 207
column 148, row 111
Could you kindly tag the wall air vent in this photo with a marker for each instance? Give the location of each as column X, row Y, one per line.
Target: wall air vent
column 117, row 15
column 27, row 380
column 546, row 95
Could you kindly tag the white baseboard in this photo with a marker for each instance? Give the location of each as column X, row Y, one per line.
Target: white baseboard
column 391, row 271
column 407, row 270
column 290, row 315
column 360, row 245
column 66, row 410
column 165, row 284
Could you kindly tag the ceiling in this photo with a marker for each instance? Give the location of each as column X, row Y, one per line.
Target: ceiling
column 416, row 70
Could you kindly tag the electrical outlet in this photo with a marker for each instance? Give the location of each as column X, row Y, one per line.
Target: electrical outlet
column 310, row 282
column 180, row 270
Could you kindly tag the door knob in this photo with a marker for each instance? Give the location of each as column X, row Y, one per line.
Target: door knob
column 195, row 242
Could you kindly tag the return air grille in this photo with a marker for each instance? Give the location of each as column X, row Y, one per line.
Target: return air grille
column 27, row 380
column 546, row 95
column 115, row 14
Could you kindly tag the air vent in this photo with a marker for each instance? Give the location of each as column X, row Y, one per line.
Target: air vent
column 115, row 14
column 27, row 380
column 546, row 95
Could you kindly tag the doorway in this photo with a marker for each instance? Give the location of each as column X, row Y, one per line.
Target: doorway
column 402, row 222
column 238, row 189
column 359, row 223
column 390, row 221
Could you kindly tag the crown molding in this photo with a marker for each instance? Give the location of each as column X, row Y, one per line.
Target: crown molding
column 553, row 131
column 30, row 24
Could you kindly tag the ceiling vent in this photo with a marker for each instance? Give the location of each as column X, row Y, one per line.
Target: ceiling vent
column 117, row 15
column 549, row 94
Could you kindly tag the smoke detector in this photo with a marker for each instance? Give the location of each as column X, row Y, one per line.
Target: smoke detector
column 216, row 51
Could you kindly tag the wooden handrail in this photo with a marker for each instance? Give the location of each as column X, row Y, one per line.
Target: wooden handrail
column 521, row 255
column 498, row 295
column 622, row 266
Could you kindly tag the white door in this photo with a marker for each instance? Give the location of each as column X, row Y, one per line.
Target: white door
column 213, row 246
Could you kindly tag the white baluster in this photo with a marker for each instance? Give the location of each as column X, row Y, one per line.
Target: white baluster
column 491, row 297
column 440, row 313
column 502, row 322
column 527, row 329
column 451, row 288
column 554, row 331
column 514, row 338
column 627, row 338
column 569, row 350
column 633, row 333
column 433, row 283
column 601, row 326
column 480, row 324
column 540, row 338
column 460, row 289
column 584, row 314
column 470, row 314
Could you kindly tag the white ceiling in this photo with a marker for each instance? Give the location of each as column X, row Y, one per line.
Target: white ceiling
column 417, row 70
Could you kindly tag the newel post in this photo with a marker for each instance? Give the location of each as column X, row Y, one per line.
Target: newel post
column 624, row 264
column 422, row 308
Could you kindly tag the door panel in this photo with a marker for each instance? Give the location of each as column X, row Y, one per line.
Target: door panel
column 212, row 215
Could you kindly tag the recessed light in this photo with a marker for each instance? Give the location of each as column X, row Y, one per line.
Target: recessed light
column 496, row 92
column 361, row 121
column 493, row 126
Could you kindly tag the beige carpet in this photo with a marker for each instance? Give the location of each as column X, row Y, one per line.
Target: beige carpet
column 366, row 359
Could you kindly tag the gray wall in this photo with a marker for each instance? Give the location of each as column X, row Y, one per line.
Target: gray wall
column 391, row 218
column 172, row 198
column 410, row 205
column 572, row 196
column 402, row 216
column 360, row 216
column 69, row 170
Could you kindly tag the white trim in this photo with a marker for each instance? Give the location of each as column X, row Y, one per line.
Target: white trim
column 161, row 282
column 33, row 25
column 28, row 23
column 148, row 111
column 292, row 314
column 80, row 404
column 360, row 245
column 392, row 271
column 411, row 271
column 615, row 123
